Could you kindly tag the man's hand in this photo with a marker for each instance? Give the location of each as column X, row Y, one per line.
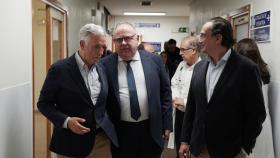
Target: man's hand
column 166, row 134
column 177, row 101
column 184, row 151
column 75, row 126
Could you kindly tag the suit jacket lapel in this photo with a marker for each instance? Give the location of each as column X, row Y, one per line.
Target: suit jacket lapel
column 229, row 67
column 203, row 72
column 147, row 72
column 102, row 84
column 76, row 75
column 114, row 77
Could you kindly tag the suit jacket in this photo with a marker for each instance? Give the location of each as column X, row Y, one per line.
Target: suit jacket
column 232, row 119
column 158, row 91
column 64, row 94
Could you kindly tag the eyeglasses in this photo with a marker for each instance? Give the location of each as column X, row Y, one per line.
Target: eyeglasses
column 202, row 35
column 126, row 39
column 185, row 49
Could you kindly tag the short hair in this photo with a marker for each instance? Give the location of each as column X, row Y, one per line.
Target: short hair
column 223, row 27
column 123, row 23
column 172, row 41
column 87, row 29
column 193, row 41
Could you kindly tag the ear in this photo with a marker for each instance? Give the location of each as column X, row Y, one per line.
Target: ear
column 82, row 44
column 194, row 51
column 219, row 38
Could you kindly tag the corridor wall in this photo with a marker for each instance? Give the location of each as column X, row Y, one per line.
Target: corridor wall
column 16, row 79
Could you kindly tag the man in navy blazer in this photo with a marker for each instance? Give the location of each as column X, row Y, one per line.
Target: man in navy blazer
column 143, row 136
column 225, row 108
column 73, row 98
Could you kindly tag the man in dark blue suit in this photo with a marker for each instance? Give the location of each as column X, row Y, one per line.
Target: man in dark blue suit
column 225, row 108
column 139, row 99
column 73, row 98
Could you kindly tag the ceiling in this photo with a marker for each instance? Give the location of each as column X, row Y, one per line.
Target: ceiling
column 170, row 7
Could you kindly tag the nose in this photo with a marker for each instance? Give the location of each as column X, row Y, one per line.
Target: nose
column 199, row 39
column 123, row 41
column 101, row 51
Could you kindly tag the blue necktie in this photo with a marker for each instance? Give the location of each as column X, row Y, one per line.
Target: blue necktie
column 134, row 104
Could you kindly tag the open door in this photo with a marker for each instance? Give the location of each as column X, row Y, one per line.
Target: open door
column 49, row 46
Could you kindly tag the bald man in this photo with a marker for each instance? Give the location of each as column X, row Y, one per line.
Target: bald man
column 139, row 100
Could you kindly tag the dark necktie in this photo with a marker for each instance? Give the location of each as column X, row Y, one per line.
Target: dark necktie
column 134, row 104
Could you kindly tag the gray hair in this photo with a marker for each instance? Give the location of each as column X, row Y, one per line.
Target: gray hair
column 87, row 29
column 193, row 41
column 123, row 23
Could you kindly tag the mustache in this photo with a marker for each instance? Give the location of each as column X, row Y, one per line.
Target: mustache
column 124, row 47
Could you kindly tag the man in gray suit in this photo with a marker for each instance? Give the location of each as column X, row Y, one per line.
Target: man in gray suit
column 73, row 98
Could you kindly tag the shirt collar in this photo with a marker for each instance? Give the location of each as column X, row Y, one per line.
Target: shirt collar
column 136, row 57
column 192, row 66
column 224, row 59
column 81, row 64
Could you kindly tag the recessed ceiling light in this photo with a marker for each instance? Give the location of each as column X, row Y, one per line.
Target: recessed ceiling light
column 144, row 14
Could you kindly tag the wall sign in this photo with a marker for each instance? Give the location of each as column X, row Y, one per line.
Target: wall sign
column 260, row 27
column 147, row 25
column 259, row 20
column 261, row 34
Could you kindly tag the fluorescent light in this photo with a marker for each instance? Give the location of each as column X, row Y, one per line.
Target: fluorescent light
column 144, row 14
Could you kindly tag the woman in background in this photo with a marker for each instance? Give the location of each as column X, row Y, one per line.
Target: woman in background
column 264, row 144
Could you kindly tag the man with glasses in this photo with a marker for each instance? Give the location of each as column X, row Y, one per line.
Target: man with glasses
column 180, row 83
column 225, row 108
column 139, row 101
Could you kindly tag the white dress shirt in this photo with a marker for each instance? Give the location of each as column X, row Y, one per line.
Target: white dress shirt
column 141, row 89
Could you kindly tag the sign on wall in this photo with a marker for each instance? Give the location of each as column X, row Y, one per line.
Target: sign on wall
column 259, row 20
column 260, row 27
column 147, row 25
column 182, row 29
column 156, row 45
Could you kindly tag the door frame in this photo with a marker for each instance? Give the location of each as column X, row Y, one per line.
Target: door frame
column 62, row 9
column 239, row 13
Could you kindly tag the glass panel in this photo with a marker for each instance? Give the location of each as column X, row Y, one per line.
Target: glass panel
column 56, row 41
column 242, row 31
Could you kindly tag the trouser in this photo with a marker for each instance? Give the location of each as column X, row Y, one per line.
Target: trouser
column 135, row 141
column 205, row 154
column 101, row 148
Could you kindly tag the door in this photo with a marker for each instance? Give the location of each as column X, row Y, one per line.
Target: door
column 240, row 20
column 241, row 27
column 49, row 46
column 56, row 48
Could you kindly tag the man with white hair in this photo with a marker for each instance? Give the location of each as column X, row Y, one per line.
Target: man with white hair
column 73, row 98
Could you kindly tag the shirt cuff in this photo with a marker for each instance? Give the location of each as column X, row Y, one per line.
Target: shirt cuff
column 244, row 152
column 66, row 122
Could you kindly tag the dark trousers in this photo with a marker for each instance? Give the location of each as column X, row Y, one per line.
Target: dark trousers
column 135, row 141
column 179, row 116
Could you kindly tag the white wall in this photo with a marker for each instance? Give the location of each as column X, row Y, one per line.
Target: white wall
column 162, row 34
column 16, row 78
column 79, row 14
column 202, row 10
